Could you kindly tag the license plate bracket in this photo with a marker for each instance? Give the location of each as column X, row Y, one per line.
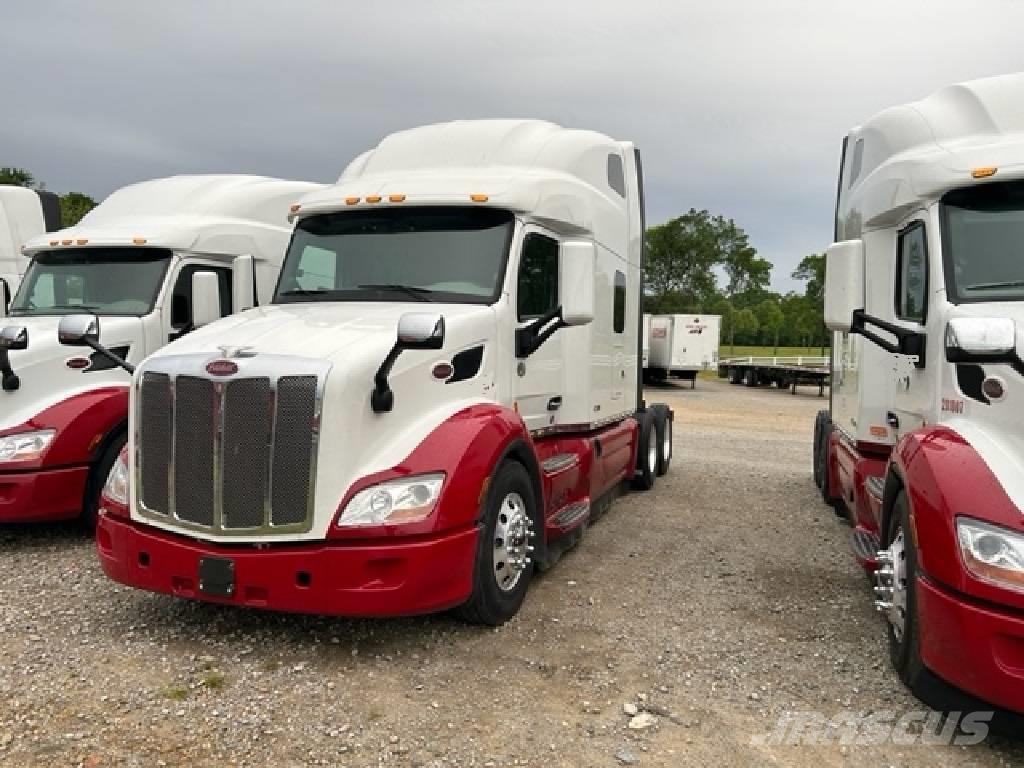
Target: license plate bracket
column 217, row 576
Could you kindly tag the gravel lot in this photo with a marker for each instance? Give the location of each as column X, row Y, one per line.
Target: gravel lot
column 714, row 604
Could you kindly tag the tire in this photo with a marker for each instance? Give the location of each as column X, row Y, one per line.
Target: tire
column 822, row 424
column 98, row 478
column 646, row 453
column 905, row 643
column 750, row 378
column 735, row 376
column 499, row 587
column 663, row 426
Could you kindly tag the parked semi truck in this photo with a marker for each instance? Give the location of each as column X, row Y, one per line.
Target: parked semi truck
column 443, row 393
column 24, row 214
column 922, row 445
column 152, row 262
column 683, row 345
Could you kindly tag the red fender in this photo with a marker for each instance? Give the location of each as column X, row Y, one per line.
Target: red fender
column 466, row 447
column 944, row 477
column 82, row 422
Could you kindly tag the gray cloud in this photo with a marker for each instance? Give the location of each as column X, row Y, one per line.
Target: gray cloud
column 739, row 107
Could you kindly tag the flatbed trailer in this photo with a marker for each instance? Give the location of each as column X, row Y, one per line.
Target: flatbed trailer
column 783, row 372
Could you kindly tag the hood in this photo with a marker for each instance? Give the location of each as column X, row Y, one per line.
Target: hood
column 43, row 371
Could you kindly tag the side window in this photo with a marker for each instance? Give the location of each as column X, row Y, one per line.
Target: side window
column 857, row 161
column 181, row 296
column 537, row 286
column 619, row 299
column 317, row 269
column 912, row 274
column 616, row 176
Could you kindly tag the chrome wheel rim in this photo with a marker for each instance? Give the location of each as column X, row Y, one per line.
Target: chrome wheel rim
column 652, row 450
column 898, row 611
column 666, row 447
column 512, row 532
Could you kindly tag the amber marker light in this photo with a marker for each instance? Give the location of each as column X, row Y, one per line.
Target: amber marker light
column 373, row 198
column 138, row 241
column 351, row 200
column 478, row 198
column 294, row 207
column 984, row 173
column 396, row 198
column 81, row 241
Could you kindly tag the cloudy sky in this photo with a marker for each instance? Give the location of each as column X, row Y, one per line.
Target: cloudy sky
column 739, row 106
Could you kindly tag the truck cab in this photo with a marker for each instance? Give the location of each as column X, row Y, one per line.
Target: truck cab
column 24, row 214
column 443, row 392
column 153, row 262
column 923, row 446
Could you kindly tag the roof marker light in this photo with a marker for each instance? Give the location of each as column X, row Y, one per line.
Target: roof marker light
column 351, row 200
column 294, row 208
column 396, row 198
column 138, row 241
column 478, row 198
column 65, row 242
column 54, row 242
column 81, row 241
column 373, row 198
column 984, row 173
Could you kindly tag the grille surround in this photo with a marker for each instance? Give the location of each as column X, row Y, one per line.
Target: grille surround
column 241, row 485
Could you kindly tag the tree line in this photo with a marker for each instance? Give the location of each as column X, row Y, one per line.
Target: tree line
column 73, row 205
column 702, row 263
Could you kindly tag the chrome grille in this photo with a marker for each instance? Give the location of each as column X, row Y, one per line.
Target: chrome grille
column 232, row 455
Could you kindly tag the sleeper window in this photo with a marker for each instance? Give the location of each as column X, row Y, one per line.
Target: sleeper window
column 619, row 298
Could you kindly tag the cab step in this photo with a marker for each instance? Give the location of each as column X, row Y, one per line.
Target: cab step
column 865, row 548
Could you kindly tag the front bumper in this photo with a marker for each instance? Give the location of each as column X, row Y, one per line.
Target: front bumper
column 45, row 494
column 976, row 647
column 327, row 578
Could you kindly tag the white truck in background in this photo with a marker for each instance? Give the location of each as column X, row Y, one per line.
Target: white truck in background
column 24, row 214
column 152, row 262
column 683, row 345
column 443, row 393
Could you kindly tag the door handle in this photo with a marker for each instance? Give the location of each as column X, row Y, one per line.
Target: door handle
column 893, row 420
column 555, row 403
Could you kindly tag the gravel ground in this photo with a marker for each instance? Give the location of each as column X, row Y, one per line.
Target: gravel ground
column 710, row 607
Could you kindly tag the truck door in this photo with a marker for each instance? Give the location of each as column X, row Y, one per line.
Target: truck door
column 538, row 378
column 912, row 384
column 178, row 303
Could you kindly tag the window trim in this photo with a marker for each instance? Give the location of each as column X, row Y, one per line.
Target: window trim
column 527, row 234
column 898, row 294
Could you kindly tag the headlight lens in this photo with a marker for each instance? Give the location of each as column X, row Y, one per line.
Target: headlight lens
column 396, row 501
column 992, row 553
column 26, row 446
column 116, row 487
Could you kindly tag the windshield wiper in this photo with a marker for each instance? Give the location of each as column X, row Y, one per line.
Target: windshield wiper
column 987, row 286
column 44, row 310
column 305, row 292
column 420, row 294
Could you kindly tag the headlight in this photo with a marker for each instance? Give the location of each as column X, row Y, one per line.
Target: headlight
column 396, row 501
column 116, row 487
column 26, row 446
column 992, row 553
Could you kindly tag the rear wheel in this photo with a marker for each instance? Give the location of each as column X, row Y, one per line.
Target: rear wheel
column 501, row 574
column 735, row 376
column 819, row 454
column 663, row 426
column 750, row 377
column 646, row 453
column 98, row 479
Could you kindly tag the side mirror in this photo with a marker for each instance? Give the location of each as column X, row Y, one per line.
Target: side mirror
column 205, row 299
column 79, row 330
column 576, row 281
column 14, row 337
column 844, row 284
column 421, row 330
column 243, row 283
column 974, row 338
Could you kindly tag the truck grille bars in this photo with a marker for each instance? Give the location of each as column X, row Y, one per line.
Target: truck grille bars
column 232, row 455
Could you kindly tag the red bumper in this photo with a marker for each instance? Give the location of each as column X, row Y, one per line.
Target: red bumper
column 55, row 494
column 336, row 578
column 975, row 647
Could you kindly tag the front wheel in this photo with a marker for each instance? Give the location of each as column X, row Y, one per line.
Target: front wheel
column 501, row 574
column 897, row 598
column 98, row 479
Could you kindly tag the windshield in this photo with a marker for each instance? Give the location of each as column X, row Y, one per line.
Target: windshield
column 983, row 242
column 439, row 254
column 104, row 281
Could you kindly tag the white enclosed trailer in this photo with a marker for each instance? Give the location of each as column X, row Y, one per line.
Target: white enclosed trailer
column 444, row 391
column 923, row 445
column 152, row 262
column 24, row 214
column 683, row 345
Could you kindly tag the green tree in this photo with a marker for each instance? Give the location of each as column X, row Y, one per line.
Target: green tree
column 745, row 325
column 744, row 269
column 73, row 206
column 770, row 320
column 19, row 177
column 680, row 258
column 811, row 270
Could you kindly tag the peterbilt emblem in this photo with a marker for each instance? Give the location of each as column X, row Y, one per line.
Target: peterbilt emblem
column 229, row 352
column 221, row 368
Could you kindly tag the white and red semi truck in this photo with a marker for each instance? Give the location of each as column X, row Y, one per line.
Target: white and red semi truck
column 923, row 447
column 443, row 393
column 24, row 214
column 152, row 262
